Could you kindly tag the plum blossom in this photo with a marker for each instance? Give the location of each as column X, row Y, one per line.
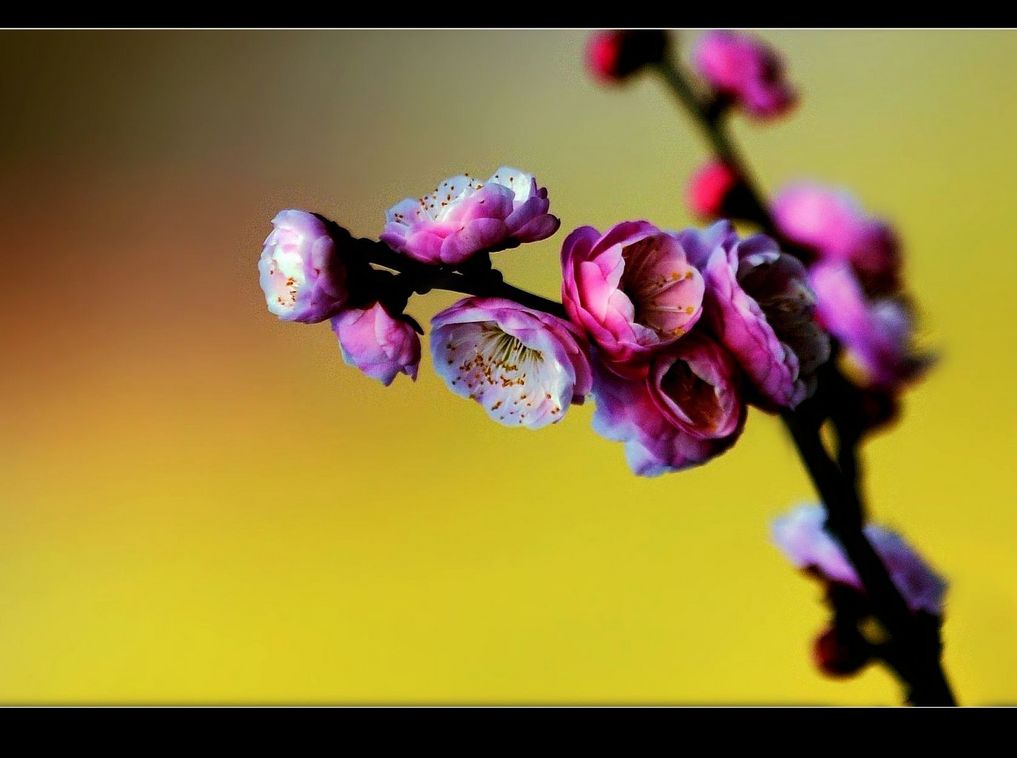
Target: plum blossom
column 831, row 223
column 302, row 275
column 524, row 367
column 877, row 334
column 802, row 538
column 632, row 289
column 746, row 70
column 684, row 411
column 614, row 55
column 710, row 189
column 376, row 343
column 464, row 216
column 760, row 306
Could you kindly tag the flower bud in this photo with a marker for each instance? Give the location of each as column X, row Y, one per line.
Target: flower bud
column 376, row 343
column 840, row 652
column 710, row 189
column 614, row 55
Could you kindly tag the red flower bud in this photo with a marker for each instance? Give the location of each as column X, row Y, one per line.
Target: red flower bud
column 840, row 652
column 710, row 189
column 616, row 54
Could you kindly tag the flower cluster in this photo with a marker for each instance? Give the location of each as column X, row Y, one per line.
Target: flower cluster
column 842, row 648
column 856, row 273
column 673, row 333
column 806, row 543
column 305, row 276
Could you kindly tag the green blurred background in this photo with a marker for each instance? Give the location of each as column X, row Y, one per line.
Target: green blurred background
column 203, row 504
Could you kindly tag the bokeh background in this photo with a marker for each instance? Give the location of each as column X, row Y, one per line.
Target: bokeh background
column 201, row 504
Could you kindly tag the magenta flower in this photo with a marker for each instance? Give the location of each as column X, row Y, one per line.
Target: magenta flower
column 834, row 226
column 760, row 306
column 686, row 410
column 524, row 367
column 616, row 54
column 877, row 334
column 464, row 216
column 745, row 70
column 801, row 537
column 632, row 289
column 301, row 274
column 710, row 189
column 376, row 343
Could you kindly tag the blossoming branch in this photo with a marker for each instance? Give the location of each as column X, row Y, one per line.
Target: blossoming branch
column 673, row 334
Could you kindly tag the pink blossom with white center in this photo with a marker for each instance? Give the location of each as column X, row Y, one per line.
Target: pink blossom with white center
column 524, row 367
column 802, row 537
column 761, row 307
column 301, row 274
column 745, row 69
column 877, row 334
column 832, row 224
column 686, row 410
column 464, row 216
column 378, row 344
column 632, row 289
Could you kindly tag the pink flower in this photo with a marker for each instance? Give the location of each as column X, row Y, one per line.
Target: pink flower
column 464, row 216
column 802, row 538
column 684, row 411
column 524, row 367
column 632, row 289
column 760, row 306
column 376, row 343
column 746, row 70
column 877, row 334
column 833, row 225
column 710, row 189
column 301, row 274
column 615, row 55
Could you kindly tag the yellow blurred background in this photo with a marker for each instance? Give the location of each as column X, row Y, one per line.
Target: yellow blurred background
column 203, row 504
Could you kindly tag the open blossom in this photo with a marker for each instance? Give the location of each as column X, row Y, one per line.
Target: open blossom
column 376, row 343
column 686, row 410
column 760, row 306
column 525, row 367
column 632, row 289
column 832, row 224
column 746, row 70
column 616, row 54
column 301, row 274
column 802, row 538
column 878, row 334
column 464, row 216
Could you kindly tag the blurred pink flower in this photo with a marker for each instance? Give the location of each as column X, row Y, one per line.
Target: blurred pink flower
column 616, row 54
column 632, row 289
column 464, row 216
column 525, row 367
column 376, row 343
column 301, row 274
column 746, row 70
column 760, row 306
column 832, row 224
column 710, row 188
column 686, row 410
column 802, row 538
column 877, row 334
